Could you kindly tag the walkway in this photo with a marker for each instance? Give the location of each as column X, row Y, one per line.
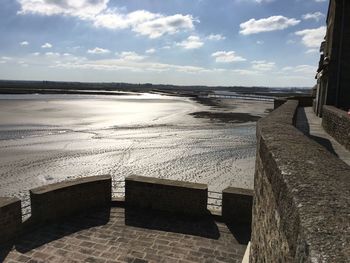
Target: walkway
column 311, row 125
column 118, row 235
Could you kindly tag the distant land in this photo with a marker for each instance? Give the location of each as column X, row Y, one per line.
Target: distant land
column 114, row 88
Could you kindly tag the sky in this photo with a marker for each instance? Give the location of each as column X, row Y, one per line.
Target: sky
column 271, row 43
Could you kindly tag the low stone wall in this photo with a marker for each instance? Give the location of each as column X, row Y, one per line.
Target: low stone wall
column 237, row 205
column 304, row 101
column 337, row 123
column 166, row 195
column 10, row 218
column 55, row 201
column 301, row 208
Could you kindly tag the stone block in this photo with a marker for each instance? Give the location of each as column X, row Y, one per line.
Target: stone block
column 10, row 218
column 56, row 201
column 237, row 205
column 166, row 195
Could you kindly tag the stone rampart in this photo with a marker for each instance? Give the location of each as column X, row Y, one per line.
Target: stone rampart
column 301, row 196
column 337, row 123
column 10, row 218
column 304, row 101
column 166, row 195
column 56, row 201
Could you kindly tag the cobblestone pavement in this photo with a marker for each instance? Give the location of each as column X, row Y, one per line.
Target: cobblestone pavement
column 118, row 235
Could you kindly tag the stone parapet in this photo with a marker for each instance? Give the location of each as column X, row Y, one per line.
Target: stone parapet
column 237, row 205
column 56, row 201
column 10, row 219
column 336, row 123
column 301, row 207
column 166, row 195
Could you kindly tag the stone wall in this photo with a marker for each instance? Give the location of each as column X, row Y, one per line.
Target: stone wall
column 166, row 195
column 304, row 101
column 301, row 196
column 337, row 123
column 10, row 218
column 237, row 205
column 56, row 201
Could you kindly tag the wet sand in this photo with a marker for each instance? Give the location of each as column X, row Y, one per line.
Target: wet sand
column 50, row 138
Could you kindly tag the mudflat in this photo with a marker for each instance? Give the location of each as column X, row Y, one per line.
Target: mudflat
column 51, row 138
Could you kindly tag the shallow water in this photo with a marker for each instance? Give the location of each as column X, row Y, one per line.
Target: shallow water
column 50, row 138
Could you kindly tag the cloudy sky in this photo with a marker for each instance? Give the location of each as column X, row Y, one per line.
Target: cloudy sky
column 186, row 42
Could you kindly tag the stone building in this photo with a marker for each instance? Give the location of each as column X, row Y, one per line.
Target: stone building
column 333, row 76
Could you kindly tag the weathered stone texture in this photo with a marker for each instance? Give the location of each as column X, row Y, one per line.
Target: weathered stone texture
column 337, row 123
column 55, row 201
column 166, row 195
column 301, row 210
column 237, row 205
column 10, row 218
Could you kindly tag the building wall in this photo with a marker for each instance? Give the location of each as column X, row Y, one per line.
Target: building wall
column 338, row 51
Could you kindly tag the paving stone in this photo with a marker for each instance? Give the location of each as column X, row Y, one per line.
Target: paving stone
column 89, row 238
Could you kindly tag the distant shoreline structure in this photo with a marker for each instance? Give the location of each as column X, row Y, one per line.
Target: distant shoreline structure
column 96, row 88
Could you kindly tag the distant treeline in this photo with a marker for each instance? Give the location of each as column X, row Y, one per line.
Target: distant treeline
column 50, row 87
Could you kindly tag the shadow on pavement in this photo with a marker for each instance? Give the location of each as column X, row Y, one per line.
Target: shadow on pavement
column 40, row 235
column 204, row 226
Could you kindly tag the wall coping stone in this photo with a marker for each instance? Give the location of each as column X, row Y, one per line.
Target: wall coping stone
column 5, row 201
column 65, row 184
column 167, row 182
column 241, row 191
column 311, row 187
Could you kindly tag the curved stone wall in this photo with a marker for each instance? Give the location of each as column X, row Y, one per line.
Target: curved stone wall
column 337, row 123
column 301, row 196
column 55, row 201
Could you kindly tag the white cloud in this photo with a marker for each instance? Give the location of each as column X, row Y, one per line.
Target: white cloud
column 316, row 16
column 130, row 56
column 320, row 1
column 312, row 50
column 312, row 38
column 131, row 65
column 271, row 23
column 301, row 69
column 227, row 57
column 216, row 37
column 78, row 8
column 98, row 51
column 263, row 65
column 192, row 42
column 6, row 58
column 24, row 43
column 152, row 25
column 47, row 45
column 52, row 54
column 246, row 72
column 35, row 54
column 150, row 51
column 260, row 42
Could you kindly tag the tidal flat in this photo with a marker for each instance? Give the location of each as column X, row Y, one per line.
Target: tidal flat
column 51, row 138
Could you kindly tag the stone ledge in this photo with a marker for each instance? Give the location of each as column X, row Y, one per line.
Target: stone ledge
column 65, row 184
column 56, row 201
column 166, row 182
column 302, row 196
column 166, row 195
